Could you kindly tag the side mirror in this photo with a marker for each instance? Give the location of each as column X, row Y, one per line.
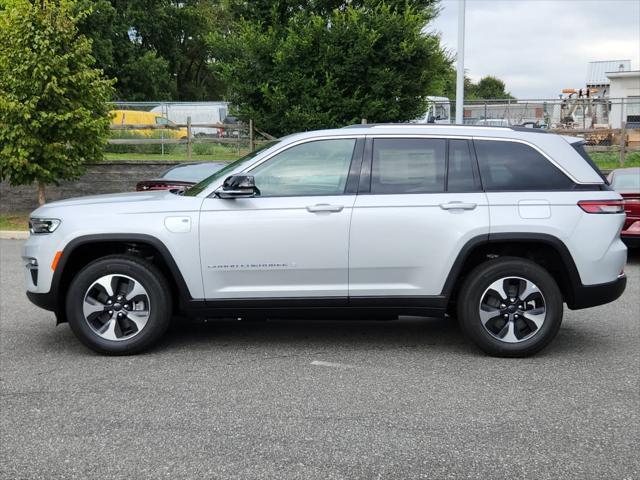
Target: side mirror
column 238, row 186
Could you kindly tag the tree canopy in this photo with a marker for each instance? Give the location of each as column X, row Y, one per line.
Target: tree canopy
column 488, row 87
column 294, row 65
column 156, row 50
column 53, row 103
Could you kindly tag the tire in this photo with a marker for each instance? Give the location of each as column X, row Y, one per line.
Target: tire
column 130, row 325
column 521, row 328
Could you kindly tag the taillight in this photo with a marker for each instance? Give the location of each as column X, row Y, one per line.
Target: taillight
column 602, row 206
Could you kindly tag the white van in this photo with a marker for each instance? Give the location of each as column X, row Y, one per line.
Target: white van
column 439, row 111
column 200, row 113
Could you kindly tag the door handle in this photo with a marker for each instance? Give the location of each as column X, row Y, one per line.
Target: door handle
column 458, row 206
column 324, row 207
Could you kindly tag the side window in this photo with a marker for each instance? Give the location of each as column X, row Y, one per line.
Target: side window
column 162, row 121
column 460, row 177
column 516, row 166
column 408, row 165
column 313, row 168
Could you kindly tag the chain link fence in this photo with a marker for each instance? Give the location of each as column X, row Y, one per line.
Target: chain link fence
column 609, row 126
column 179, row 130
column 207, row 130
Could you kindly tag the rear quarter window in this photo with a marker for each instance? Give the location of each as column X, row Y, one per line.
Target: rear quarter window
column 509, row 166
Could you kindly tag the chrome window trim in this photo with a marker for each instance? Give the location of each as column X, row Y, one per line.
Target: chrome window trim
column 213, row 188
column 536, row 148
column 372, row 135
column 480, row 138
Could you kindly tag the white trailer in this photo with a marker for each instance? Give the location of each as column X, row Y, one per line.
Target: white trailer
column 200, row 113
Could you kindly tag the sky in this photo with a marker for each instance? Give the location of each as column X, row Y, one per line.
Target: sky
column 539, row 47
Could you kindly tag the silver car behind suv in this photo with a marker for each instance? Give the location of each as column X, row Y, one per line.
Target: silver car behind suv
column 495, row 226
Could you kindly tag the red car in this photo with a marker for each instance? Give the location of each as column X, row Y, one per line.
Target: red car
column 626, row 181
column 181, row 177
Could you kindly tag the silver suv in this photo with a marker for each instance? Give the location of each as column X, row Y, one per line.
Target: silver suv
column 495, row 226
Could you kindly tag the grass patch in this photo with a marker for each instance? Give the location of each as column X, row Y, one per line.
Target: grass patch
column 14, row 221
column 611, row 160
column 173, row 157
column 200, row 152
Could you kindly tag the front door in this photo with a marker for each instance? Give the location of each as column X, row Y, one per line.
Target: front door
column 292, row 239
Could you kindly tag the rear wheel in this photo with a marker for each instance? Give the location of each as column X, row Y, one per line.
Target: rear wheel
column 119, row 305
column 510, row 307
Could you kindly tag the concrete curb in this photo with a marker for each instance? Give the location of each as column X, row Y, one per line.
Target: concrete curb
column 13, row 235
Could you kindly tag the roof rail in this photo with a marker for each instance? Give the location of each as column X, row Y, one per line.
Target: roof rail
column 441, row 125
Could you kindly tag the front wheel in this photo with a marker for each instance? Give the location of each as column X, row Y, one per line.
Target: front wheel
column 510, row 307
column 119, row 305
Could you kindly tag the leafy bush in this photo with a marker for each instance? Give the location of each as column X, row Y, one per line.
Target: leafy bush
column 53, row 103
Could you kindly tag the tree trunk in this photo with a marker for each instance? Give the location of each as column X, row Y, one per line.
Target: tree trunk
column 41, row 198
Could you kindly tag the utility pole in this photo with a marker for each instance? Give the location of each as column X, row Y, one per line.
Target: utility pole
column 460, row 64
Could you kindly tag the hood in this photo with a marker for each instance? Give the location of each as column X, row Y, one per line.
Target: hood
column 114, row 202
column 112, row 198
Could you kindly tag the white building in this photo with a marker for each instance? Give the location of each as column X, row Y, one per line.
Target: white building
column 597, row 75
column 624, row 85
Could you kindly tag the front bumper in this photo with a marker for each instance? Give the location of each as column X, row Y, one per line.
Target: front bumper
column 631, row 241
column 48, row 301
column 586, row 296
column 43, row 300
column 630, row 234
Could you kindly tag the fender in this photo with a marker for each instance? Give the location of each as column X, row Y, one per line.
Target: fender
column 55, row 302
column 558, row 245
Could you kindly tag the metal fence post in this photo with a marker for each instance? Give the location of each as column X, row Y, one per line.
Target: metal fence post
column 485, row 109
column 251, row 142
column 189, row 138
column 623, row 133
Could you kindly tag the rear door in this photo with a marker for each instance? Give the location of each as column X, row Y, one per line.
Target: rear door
column 419, row 202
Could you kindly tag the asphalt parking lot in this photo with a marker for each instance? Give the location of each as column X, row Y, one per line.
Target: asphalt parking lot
column 329, row 400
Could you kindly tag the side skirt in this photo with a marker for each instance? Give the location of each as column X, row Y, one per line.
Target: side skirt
column 318, row 308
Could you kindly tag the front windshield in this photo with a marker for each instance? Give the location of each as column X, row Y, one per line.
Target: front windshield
column 193, row 172
column 199, row 187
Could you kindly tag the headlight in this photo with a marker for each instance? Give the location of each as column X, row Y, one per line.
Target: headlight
column 43, row 225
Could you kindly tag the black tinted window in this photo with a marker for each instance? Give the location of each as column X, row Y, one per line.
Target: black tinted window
column 516, row 166
column 460, row 176
column 408, row 165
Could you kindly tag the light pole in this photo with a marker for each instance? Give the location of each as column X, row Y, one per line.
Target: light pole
column 460, row 64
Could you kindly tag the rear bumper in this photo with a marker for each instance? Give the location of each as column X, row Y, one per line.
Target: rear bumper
column 586, row 296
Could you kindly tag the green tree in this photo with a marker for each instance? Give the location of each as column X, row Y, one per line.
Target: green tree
column 294, row 66
column 53, row 110
column 488, row 87
column 156, row 50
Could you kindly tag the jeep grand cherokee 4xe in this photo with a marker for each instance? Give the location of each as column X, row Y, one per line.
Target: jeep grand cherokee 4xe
column 499, row 227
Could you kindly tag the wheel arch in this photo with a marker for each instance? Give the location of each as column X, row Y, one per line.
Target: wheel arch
column 549, row 251
column 84, row 249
